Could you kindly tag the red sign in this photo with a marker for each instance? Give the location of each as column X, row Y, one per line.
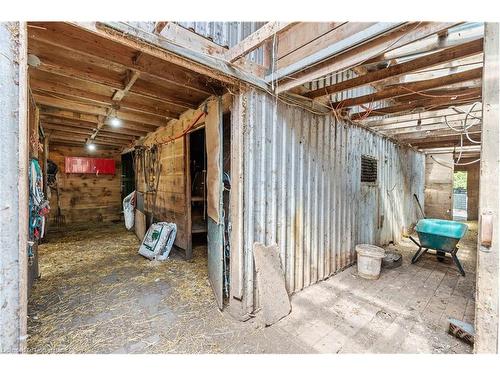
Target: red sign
column 89, row 165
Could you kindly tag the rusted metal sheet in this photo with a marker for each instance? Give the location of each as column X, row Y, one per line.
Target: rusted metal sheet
column 302, row 189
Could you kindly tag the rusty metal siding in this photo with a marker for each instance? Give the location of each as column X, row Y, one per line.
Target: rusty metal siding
column 301, row 189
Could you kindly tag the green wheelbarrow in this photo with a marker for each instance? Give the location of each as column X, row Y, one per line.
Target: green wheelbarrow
column 441, row 236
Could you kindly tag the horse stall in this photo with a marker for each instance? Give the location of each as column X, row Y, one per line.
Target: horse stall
column 194, row 187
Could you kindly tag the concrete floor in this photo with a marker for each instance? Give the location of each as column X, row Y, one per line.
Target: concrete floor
column 96, row 295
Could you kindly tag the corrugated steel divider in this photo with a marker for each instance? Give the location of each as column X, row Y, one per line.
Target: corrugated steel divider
column 301, row 189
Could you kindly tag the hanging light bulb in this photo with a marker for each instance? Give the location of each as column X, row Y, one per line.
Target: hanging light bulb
column 115, row 122
column 91, row 147
column 419, row 124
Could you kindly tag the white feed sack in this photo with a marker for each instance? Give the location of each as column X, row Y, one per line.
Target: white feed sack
column 158, row 241
column 128, row 210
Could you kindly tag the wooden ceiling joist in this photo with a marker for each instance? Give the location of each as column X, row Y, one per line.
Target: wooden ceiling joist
column 430, row 114
column 73, row 118
column 411, row 88
column 70, row 105
column 431, row 123
column 451, row 38
column 361, row 35
column 429, row 103
column 132, row 76
column 358, row 54
column 449, row 54
column 78, row 45
column 255, row 40
column 161, row 48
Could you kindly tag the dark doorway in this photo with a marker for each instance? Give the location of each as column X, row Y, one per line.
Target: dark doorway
column 128, row 174
column 198, row 173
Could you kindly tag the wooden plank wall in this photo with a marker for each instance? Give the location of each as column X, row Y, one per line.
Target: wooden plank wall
column 86, row 197
column 171, row 201
column 439, row 186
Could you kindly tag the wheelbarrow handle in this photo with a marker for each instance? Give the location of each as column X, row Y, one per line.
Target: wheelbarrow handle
column 415, row 241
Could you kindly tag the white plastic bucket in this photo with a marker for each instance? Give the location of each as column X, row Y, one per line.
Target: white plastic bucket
column 369, row 260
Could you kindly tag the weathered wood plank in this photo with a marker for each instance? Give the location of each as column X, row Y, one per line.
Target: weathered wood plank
column 407, row 89
column 357, row 55
column 449, row 54
column 486, row 321
column 255, row 40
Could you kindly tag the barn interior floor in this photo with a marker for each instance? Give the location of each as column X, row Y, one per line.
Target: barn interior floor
column 97, row 295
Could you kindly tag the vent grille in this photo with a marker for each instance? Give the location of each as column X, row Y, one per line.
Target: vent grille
column 368, row 169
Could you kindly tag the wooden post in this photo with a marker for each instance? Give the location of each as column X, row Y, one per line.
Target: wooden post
column 46, row 188
column 14, row 186
column 486, row 321
column 187, row 175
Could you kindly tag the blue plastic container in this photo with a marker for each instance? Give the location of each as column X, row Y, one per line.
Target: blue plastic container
column 440, row 234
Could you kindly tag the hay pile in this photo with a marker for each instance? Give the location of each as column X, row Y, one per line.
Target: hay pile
column 97, row 295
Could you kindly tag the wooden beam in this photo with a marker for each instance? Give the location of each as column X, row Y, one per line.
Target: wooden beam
column 465, row 33
column 472, row 95
column 436, row 133
column 449, row 54
column 14, row 162
column 300, row 35
column 163, row 49
column 255, row 40
column 70, row 105
column 357, row 55
column 76, row 47
column 487, row 304
column 122, row 130
column 132, row 76
column 357, row 38
column 186, row 38
column 411, row 88
column 159, row 26
column 423, row 126
column 60, row 116
column 422, row 115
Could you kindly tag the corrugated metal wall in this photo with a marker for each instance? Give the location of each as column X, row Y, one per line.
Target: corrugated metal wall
column 301, row 189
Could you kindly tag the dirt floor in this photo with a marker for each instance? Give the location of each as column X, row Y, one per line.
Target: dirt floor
column 97, row 295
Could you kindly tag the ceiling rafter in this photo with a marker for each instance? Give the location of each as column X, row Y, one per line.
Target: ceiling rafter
column 449, row 54
column 404, row 90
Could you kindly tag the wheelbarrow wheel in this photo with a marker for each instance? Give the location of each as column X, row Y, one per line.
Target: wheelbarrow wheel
column 440, row 256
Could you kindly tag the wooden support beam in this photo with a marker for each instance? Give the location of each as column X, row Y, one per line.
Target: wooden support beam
column 449, row 54
column 163, row 49
column 122, row 130
column 357, row 55
column 486, row 315
column 255, row 40
column 70, row 105
column 439, row 102
column 132, row 76
column 74, row 48
column 465, row 33
column 305, row 38
column 344, row 44
column 159, row 26
column 430, row 114
column 411, row 88
column 474, row 132
column 14, row 164
column 424, row 126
